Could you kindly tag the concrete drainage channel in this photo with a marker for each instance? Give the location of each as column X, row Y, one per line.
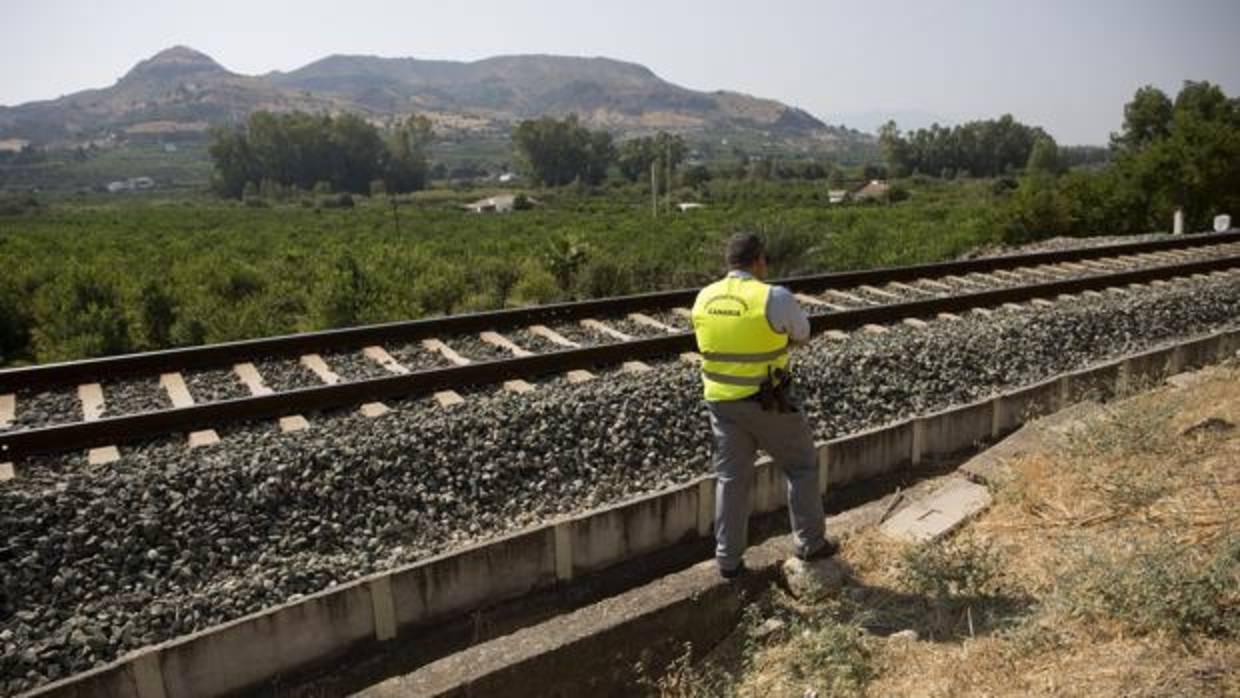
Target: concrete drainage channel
column 524, row 578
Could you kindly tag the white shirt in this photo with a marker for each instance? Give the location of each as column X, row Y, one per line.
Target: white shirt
column 782, row 311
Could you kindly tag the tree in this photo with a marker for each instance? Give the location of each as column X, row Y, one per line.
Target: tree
column 981, row 148
column 557, row 152
column 303, row 150
column 635, row 156
column 1044, row 158
column 895, row 150
column 408, row 163
column 1147, row 118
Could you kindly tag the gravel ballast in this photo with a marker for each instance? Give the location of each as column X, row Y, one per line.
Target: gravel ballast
column 167, row 541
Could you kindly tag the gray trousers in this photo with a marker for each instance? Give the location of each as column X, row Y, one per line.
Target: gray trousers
column 740, row 427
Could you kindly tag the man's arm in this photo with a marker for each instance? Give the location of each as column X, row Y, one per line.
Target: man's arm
column 786, row 315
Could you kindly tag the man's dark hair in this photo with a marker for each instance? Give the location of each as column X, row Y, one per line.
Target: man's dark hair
column 743, row 250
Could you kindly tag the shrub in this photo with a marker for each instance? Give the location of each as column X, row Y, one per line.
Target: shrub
column 947, row 570
column 1160, row 586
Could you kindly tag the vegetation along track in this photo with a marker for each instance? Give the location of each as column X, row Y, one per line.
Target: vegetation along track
column 66, row 406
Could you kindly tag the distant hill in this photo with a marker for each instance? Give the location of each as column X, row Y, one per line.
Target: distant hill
column 181, row 90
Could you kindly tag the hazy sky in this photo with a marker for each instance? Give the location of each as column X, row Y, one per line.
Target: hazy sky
column 1067, row 65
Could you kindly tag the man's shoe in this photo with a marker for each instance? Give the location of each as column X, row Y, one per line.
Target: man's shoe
column 735, row 572
column 828, row 549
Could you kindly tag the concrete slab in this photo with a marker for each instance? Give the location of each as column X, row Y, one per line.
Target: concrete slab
column 691, row 357
column 552, row 336
column 911, row 289
column 948, row 316
column 319, row 367
column 643, row 319
column 381, row 356
column 372, row 410
column 91, row 397
column 8, row 409
column 7, row 471
column 849, row 297
column 447, row 352
column 914, row 322
column 835, row 335
column 499, row 340
column 875, row 291
column 934, row 285
column 605, row 329
column 449, row 398
column 205, row 437
column 249, row 376
column 103, row 455
column 93, row 407
column 939, row 514
column 293, row 423
column 814, row 300
column 579, row 376
column 874, row 329
column 518, row 386
column 635, row 367
column 174, row 385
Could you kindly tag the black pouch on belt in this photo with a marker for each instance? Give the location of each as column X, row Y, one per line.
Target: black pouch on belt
column 775, row 394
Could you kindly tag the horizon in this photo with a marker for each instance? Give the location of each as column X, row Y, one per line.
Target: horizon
column 1065, row 68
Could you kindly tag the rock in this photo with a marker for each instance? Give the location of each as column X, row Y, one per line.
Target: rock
column 813, row 580
column 769, row 627
column 908, row 635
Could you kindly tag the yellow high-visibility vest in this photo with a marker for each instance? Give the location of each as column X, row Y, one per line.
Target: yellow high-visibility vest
column 738, row 346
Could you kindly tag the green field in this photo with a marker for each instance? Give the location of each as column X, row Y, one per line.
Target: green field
column 95, row 275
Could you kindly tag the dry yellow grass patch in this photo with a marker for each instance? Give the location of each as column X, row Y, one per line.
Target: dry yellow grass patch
column 1108, row 566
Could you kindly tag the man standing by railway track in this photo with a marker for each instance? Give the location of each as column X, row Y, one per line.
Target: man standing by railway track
column 744, row 327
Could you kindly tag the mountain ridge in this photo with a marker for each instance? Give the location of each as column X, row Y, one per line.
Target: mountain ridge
column 181, row 89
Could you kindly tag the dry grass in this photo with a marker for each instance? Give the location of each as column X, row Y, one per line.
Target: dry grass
column 1107, row 567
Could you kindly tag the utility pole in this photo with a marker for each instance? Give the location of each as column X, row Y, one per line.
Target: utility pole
column 668, row 184
column 654, row 188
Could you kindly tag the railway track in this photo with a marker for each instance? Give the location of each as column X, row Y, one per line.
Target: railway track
column 71, row 405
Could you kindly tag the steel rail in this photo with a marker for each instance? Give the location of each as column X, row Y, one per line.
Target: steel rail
column 45, row 376
column 116, row 430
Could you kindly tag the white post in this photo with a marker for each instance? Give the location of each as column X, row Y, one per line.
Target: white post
column 1178, row 222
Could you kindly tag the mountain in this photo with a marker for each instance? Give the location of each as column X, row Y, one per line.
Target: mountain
column 182, row 90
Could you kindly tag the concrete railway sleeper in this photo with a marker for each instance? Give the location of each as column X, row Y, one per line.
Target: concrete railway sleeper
column 270, row 555
column 492, row 358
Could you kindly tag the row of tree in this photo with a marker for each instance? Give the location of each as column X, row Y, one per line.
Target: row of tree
column 306, row 151
column 1171, row 154
column 979, row 148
